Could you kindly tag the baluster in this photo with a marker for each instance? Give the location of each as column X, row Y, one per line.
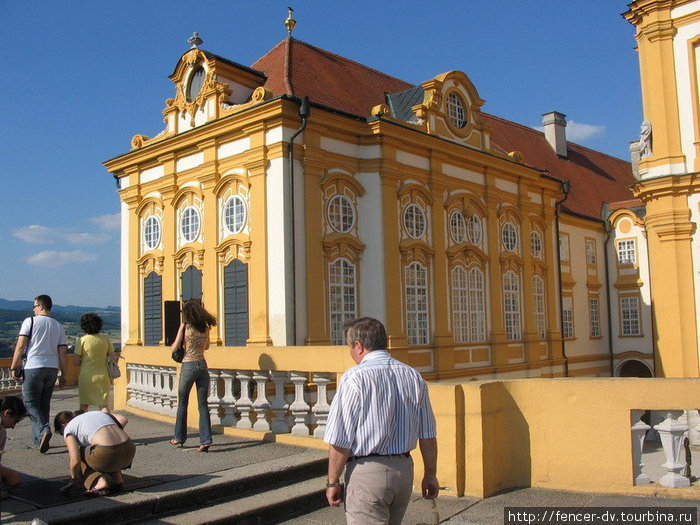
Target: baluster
column 161, row 390
column 213, row 398
column 228, row 400
column 133, row 388
column 172, row 391
column 671, row 432
column 299, row 407
column 639, row 430
column 321, row 408
column 261, row 405
column 244, row 403
column 279, row 406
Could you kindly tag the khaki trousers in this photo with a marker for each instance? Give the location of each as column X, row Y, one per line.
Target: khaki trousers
column 378, row 489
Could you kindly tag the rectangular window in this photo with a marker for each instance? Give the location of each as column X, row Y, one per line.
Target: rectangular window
column 564, row 246
column 594, row 316
column 629, row 315
column 591, row 256
column 416, row 289
column 342, row 297
column 626, row 252
column 477, row 306
column 152, row 309
column 567, row 316
column 460, row 305
column 538, row 297
column 511, row 305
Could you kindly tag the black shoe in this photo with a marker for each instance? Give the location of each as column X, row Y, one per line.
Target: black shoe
column 44, row 443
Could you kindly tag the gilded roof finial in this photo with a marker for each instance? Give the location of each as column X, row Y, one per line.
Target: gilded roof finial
column 194, row 40
column 290, row 22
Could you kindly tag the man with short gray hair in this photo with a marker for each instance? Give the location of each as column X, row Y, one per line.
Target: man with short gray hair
column 379, row 413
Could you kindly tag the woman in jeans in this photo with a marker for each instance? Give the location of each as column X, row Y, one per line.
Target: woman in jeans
column 195, row 331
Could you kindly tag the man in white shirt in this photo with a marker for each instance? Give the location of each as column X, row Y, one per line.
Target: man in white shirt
column 44, row 340
column 379, row 413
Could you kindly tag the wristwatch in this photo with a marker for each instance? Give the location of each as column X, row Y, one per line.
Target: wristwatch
column 330, row 485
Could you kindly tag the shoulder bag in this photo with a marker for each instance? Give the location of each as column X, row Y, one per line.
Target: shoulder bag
column 179, row 354
column 112, row 366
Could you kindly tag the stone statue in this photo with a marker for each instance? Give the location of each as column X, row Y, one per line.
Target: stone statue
column 645, row 140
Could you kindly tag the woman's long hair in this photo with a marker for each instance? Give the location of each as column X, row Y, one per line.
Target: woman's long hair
column 195, row 315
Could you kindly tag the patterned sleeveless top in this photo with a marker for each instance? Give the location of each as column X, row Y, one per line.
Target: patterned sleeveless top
column 195, row 344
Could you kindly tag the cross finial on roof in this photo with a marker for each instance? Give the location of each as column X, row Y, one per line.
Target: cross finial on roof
column 194, row 40
column 290, row 22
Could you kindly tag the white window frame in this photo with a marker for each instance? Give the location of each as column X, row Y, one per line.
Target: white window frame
column 341, row 214
column 567, row 317
column 630, row 316
column 477, row 306
column 509, row 236
column 416, row 297
column 235, row 214
column 536, row 244
column 511, row 306
column 591, row 255
column 475, row 230
column 539, row 306
column 456, row 110
column 594, row 316
column 188, row 233
column 152, row 233
column 342, row 297
column 460, row 305
column 458, row 227
column 563, row 246
column 626, row 251
column 414, row 221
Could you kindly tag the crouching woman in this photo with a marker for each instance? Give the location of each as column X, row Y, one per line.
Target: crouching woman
column 98, row 449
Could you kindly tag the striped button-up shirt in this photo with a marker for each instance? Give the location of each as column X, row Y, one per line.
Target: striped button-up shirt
column 381, row 407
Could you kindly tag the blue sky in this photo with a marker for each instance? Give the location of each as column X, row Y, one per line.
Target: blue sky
column 85, row 76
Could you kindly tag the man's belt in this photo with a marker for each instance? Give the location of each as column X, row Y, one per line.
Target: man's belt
column 401, row 455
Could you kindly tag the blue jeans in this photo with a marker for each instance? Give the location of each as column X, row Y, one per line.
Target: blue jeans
column 37, row 390
column 193, row 372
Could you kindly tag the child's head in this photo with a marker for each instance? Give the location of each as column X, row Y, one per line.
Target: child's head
column 12, row 411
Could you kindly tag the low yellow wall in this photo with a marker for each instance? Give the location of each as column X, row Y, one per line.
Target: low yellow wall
column 563, row 433
column 566, row 434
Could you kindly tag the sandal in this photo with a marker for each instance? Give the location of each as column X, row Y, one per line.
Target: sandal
column 176, row 443
column 204, row 448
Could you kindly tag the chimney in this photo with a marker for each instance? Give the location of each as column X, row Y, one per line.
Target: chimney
column 555, row 131
column 635, row 156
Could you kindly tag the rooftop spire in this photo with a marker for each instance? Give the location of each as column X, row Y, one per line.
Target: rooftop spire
column 290, row 22
column 195, row 40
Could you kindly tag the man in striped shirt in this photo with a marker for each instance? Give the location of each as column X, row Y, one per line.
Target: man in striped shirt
column 380, row 411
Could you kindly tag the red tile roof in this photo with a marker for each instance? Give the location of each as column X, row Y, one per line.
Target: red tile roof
column 300, row 69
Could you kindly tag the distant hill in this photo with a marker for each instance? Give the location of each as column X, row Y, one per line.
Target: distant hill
column 12, row 313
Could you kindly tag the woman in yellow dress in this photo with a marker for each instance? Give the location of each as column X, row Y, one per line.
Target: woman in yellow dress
column 91, row 354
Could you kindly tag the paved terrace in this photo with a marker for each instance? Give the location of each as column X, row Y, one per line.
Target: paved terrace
column 163, row 473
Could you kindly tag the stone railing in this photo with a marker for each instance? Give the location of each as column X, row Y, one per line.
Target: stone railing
column 280, row 402
column 674, row 432
column 7, row 383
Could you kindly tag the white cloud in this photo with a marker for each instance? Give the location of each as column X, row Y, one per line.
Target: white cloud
column 108, row 222
column 37, row 234
column 57, row 258
column 577, row 132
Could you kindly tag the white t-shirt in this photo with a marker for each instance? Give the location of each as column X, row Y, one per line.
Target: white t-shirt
column 84, row 426
column 47, row 335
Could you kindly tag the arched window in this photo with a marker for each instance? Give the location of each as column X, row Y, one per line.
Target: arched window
column 460, row 305
column 474, row 230
column 477, row 306
column 195, row 84
column 416, row 288
column 152, row 309
column 509, row 236
column 341, row 214
column 458, row 227
column 414, row 221
column 151, row 233
column 236, row 303
column 468, row 306
column 511, row 305
column 342, row 292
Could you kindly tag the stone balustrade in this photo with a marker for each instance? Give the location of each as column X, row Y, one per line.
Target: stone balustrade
column 281, row 402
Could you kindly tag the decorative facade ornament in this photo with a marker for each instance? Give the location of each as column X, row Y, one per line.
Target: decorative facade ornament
column 195, row 40
column 289, row 23
column 645, row 140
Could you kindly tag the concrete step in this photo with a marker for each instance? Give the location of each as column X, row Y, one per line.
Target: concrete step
column 193, row 493
column 270, row 506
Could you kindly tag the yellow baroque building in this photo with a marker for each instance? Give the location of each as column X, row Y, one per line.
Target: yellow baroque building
column 668, row 40
column 306, row 189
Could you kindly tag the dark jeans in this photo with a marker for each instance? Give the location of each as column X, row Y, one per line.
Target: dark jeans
column 37, row 390
column 193, row 372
